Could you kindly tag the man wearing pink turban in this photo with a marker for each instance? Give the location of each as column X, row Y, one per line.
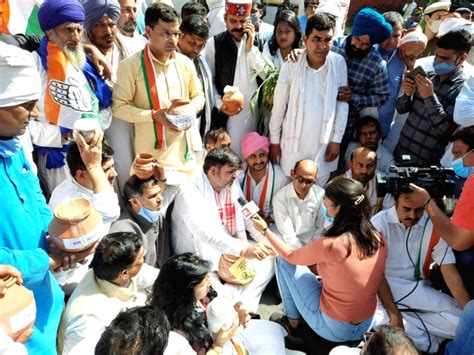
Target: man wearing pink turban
column 262, row 180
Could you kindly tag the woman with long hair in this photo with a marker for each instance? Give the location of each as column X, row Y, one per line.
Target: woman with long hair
column 287, row 36
column 183, row 291
column 350, row 259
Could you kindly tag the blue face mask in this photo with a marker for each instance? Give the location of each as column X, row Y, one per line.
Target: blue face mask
column 460, row 169
column 443, row 68
column 149, row 215
column 324, row 212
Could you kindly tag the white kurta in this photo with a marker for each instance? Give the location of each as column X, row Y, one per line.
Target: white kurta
column 315, row 85
column 299, row 221
column 440, row 312
column 197, row 228
column 245, row 79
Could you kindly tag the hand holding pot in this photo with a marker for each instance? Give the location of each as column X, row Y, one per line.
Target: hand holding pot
column 232, row 101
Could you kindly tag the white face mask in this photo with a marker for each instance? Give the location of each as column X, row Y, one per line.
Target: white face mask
column 434, row 25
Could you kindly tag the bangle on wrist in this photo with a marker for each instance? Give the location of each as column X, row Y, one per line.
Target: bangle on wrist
column 427, row 202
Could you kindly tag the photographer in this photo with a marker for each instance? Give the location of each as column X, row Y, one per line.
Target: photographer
column 459, row 234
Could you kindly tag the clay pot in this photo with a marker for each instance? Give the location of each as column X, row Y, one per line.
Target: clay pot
column 233, row 99
column 144, row 165
column 74, row 226
column 86, row 127
column 17, row 309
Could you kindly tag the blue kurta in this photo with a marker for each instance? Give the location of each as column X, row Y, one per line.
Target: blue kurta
column 24, row 219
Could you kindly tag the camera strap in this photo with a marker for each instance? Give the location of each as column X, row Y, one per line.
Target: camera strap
column 417, row 273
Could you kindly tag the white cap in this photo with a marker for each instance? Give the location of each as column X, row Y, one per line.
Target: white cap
column 413, row 36
column 453, row 24
column 332, row 7
column 19, row 78
column 437, row 6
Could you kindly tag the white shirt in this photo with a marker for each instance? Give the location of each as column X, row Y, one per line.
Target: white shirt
column 416, row 239
column 133, row 44
column 10, row 347
column 106, row 202
column 276, row 59
column 384, row 157
column 248, row 64
column 299, row 221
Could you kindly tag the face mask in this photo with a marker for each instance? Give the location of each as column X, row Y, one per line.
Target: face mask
column 149, row 215
column 443, row 68
column 434, row 25
column 460, row 169
column 324, row 212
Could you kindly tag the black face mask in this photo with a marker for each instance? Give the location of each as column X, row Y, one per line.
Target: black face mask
column 354, row 53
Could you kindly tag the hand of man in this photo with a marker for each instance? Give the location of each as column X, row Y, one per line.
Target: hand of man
column 424, row 86
column 91, row 153
column 99, row 61
column 160, row 117
column 332, row 151
column 62, row 261
column 6, row 271
column 275, row 153
column 419, row 196
column 225, row 110
column 256, row 251
column 249, row 29
column 344, row 94
column 243, row 313
column 408, row 85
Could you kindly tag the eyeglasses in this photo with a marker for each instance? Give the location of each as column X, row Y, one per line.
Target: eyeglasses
column 168, row 35
column 302, row 180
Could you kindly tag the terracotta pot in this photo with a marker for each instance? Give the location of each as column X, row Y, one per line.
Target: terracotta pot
column 74, row 226
column 233, row 98
column 17, row 309
column 86, row 127
column 144, row 165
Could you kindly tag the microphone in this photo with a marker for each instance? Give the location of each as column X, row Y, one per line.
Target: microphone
column 249, row 209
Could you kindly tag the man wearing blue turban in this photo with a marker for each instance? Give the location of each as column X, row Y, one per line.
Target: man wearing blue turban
column 366, row 69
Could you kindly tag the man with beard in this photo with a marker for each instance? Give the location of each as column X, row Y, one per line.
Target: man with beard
column 154, row 87
column 127, row 25
column 366, row 70
column 362, row 168
column 262, row 179
column 207, row 220
column 413, row 245
column 234, row 60
column 367, row 134
column 66, row 93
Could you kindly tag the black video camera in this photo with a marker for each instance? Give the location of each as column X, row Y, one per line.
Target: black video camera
column 438, row 181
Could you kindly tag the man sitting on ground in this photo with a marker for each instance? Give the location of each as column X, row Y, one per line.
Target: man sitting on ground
column 117, row 280
column 297, row 206
column 413, row 244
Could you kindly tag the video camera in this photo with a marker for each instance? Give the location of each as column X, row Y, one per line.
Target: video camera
column 438, row 181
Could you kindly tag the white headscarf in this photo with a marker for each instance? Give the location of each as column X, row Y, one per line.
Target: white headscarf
column 453, row 24
column 19, row 79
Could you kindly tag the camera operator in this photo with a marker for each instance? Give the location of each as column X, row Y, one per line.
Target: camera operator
column 413, row 244
column 459, row 234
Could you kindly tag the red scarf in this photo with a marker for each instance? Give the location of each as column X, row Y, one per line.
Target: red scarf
column 227, row 212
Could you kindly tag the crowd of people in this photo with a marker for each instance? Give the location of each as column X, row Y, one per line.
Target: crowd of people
column 174, row 259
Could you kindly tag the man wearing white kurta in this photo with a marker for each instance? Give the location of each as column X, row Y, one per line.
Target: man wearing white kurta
column 307, row 121
column 297, row 206
column 234, row 60
column 262, row 179
column 207, row 220
column 413, row 245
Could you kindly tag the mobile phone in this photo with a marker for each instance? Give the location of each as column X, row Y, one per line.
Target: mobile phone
column 418, row 70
